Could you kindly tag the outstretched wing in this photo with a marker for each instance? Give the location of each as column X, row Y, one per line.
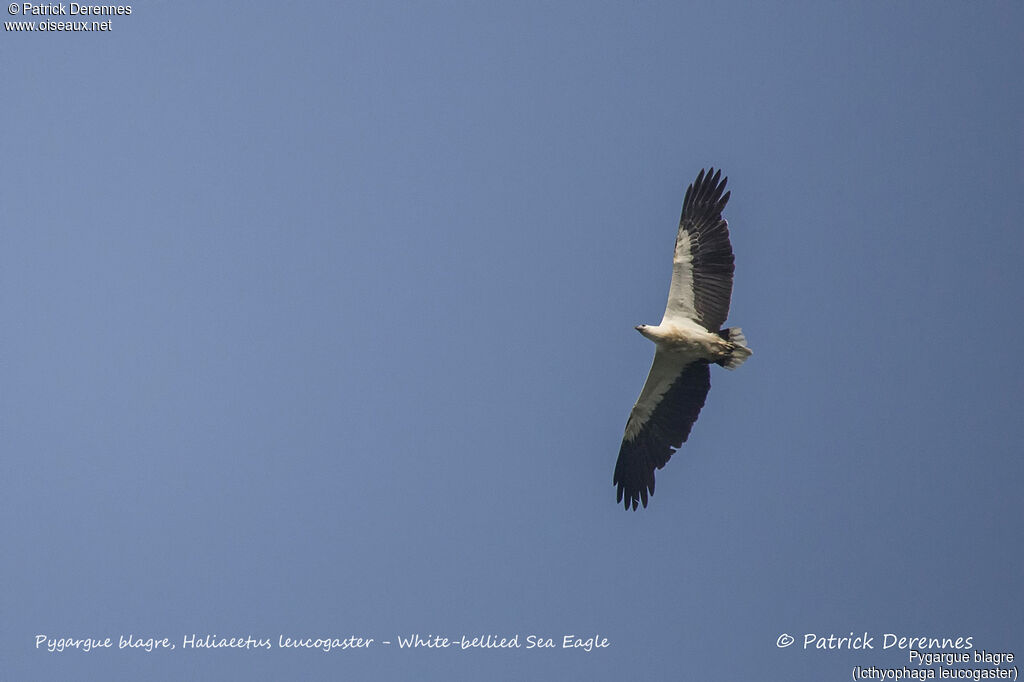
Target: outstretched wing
column 660, row 422
column 702, row 266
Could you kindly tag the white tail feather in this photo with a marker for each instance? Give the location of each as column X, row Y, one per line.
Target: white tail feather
column 741, row 352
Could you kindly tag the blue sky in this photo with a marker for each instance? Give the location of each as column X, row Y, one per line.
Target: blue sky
column 318, row 322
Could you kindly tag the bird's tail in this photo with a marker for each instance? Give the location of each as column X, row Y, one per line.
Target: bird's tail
column 740, row 352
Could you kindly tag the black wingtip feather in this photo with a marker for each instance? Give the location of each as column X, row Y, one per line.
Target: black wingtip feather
column 706, row 191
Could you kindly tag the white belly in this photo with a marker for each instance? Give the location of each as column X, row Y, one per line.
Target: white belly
column 688, row 339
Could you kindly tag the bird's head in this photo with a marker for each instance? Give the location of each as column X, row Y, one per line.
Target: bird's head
column 647, row 331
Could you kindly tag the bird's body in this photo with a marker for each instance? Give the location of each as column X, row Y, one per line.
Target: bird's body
column 687, row 342
column 687, row 339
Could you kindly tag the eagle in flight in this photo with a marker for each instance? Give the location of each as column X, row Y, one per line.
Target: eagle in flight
column 689, row 338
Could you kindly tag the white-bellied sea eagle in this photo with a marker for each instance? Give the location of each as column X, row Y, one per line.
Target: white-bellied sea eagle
column 689, row 338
